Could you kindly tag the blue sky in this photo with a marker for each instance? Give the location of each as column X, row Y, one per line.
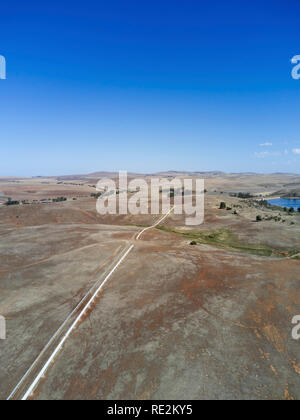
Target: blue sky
column 149, row 85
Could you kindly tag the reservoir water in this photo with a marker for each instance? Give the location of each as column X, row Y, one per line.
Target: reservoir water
column 286, row 202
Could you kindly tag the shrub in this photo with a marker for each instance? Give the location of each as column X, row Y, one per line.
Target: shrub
column 258, row 218
column 223, row 205
column 193, row 243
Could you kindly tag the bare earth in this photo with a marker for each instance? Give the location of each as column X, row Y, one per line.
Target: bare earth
column 175, row 321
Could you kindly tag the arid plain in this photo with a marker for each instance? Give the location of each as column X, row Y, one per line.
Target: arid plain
column 175, row 320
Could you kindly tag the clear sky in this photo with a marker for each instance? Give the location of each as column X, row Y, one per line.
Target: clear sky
column 149, row 85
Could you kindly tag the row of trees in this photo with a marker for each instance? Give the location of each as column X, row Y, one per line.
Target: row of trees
column 242, row 195
column 11, row 202
column 59, row 199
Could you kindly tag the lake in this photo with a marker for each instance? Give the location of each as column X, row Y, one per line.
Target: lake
column 286, row 202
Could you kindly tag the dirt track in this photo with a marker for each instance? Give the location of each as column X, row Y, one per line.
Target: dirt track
column 45, row 272
column 185, row 324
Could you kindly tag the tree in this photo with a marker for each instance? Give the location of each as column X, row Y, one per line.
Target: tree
column 223, row 205
column 12, row 203
column 96, row 195
column 58, row 199
column 244, row 195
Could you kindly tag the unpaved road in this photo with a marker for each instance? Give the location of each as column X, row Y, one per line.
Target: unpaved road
column 38, row 369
